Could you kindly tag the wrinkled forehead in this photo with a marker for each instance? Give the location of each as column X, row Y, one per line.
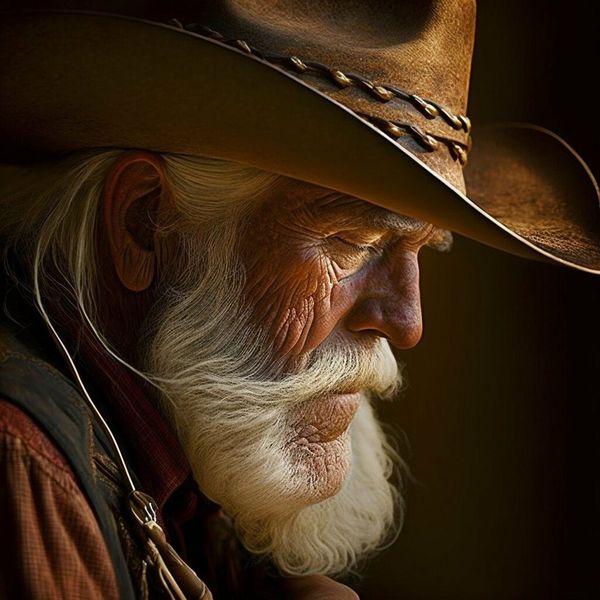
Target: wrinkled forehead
column 348, row 211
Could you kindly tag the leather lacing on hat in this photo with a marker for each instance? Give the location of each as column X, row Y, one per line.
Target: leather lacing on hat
column 379, row 92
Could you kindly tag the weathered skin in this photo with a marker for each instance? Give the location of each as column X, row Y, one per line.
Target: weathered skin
column 320, row 264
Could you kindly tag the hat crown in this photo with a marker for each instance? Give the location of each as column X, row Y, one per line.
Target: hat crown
column 422, row 46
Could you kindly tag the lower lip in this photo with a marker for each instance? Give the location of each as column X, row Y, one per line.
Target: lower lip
column 326, row 418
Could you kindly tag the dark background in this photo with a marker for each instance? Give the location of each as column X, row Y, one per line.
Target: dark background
column 502, row 409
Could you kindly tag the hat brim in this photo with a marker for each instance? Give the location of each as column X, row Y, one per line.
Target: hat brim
column 72, row 81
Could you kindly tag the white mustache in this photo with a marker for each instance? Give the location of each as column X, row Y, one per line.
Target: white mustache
column 333, row 368
column 370, row 367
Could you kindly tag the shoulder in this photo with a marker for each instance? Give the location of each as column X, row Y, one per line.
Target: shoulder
column 56, row 545
column 20, row 434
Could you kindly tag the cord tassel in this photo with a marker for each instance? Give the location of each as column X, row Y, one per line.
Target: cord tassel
column 177, row 579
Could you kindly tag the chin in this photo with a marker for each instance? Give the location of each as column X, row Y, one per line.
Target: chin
column 320, row 469
column 320, row 446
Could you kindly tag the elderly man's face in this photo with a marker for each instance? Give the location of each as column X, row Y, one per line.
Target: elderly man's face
column 270, row 342
column 323, row 267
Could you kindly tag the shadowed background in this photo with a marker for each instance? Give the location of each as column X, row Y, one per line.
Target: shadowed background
column 501, row 413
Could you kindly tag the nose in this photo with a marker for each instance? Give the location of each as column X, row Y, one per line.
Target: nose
column 389, row 302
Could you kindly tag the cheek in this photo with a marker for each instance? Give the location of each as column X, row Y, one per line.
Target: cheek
column 296, row 297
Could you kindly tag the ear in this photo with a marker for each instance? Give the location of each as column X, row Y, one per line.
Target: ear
column 133, row 191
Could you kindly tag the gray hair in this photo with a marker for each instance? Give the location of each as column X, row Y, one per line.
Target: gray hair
column 51, row 212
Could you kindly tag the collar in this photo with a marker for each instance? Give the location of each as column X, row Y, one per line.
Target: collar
column 149, row 443
column 159, row 461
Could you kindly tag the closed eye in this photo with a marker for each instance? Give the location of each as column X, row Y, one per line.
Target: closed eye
column 350, row 255
column 353, row 245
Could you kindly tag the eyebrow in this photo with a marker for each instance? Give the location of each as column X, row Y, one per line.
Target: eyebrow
column 441, row 239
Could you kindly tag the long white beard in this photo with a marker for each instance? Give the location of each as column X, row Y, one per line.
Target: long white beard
column 230, row 406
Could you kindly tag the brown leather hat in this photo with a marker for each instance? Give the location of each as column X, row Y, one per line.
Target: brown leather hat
column 368, row 98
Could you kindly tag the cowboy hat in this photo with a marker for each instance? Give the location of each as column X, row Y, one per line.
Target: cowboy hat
column 365, row 98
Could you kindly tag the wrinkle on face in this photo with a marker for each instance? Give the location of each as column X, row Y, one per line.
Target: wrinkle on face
column 309, row 252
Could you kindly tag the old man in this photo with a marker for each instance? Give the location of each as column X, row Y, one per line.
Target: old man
column 211, row 228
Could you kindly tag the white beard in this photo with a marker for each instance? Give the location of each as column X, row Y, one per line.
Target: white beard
column 230, row 407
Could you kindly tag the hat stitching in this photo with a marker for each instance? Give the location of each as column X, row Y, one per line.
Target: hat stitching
column 429, row 141
column 382, row 92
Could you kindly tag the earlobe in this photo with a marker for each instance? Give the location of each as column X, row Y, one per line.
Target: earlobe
column 132, row 192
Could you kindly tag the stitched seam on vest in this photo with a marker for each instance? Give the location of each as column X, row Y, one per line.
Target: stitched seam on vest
column 72, row 395
column 46, row 367
column 91, row 446
column 117, row 489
